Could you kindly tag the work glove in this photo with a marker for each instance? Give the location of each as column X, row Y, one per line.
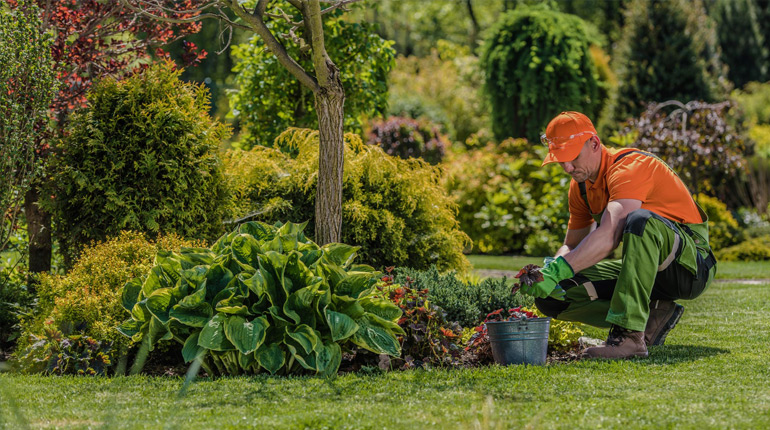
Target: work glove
column 553, row 273
column 558, row 292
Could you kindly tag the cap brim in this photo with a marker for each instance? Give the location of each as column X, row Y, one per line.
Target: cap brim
column 566, row 153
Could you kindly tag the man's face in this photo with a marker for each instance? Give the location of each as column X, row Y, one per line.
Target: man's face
column 584, row 167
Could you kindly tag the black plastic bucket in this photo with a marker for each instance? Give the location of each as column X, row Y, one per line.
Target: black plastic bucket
column 522, row 341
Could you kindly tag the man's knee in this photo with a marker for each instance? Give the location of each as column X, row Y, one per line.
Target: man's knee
column 551, row 307
column 636, row 221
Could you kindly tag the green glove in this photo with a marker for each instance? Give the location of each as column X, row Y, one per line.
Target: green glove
column 554, row 272
column 558, row 292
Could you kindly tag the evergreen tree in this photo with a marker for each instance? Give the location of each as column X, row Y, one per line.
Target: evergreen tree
column 741, row 40
column 666, row 52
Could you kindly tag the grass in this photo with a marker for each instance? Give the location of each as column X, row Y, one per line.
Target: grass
column 712, row 373
column 725, row 269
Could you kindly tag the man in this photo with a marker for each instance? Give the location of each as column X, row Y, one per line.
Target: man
column 631, row 196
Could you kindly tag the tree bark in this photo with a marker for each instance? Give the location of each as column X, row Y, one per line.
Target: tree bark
column 329, row 101
column 39, row 230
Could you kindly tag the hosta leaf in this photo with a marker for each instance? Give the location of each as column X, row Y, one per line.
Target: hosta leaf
column 217, row 279
column 311, row 256
column 328, row 359
column 276, row 313
column 160, row 302
column 292, row 229
column 246, row 335
column 194, row 299
column 339, row 253
column 191, row 348
column 271, row 357
column 213, row 335
column 152, row 282
column 257, row 284
column 305, row 337
column 306, row 360
column 382, row 308
column 130, row 327
column 375, row 338
column 348, row 306
column 272, row 266
column 196, row 315
column 299, row 305
column 246, row 360
column 391, row 326
column 195, row 277
column 261, row 306
column 130, row 294
column 140, row 313
column 298, row 273
column 223, row 242
column 341, row 325
column 192, row 257
column 259, row 230
column 233, row 305
column 157, row 332
column 334, row 274
column 355, row 284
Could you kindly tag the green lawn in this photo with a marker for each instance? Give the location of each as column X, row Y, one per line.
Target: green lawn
column 712, row 373
column 725, row 269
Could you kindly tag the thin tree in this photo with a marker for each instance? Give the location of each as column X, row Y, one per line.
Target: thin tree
column 324, row 80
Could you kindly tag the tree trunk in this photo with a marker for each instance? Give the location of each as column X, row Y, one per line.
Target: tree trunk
column 329, row 101
column 39, row 230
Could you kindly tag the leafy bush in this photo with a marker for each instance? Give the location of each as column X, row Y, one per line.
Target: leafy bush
column 507, row 202
column 443, row 87
column 743, row 46
column 754, row 249
column 394, row 209
column 270, row 99
column 261, row 297
column 464, row 303
column 537, row 63
column 86, row 300
column 143, row 156
column 707, row 154
column 667, row 52
column 563, row 336
column 57, row 354
column 406, row 137
column 723, row 228
column 15, row 299
column 27, row 87
column 430, row 340
column 754, row 100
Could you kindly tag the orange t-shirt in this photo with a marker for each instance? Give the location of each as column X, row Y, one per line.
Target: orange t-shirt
column 635, row 176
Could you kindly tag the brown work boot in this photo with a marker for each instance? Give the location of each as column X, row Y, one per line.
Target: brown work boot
column 621, row 343
column 663, row 317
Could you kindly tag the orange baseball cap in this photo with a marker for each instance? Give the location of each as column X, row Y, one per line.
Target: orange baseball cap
column 565, row 136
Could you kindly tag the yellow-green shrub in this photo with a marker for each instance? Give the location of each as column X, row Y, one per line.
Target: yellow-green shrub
column 723, row 228
column 562, row 335
column 755, row 249
column 394, row 209
column 86, row 300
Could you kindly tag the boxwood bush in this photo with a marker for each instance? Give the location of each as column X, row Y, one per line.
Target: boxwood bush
column 143, row 156
column 507, row 202
column 463, row 302
column 396, row 210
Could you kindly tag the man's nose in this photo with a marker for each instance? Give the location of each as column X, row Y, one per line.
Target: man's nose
column 567, row 166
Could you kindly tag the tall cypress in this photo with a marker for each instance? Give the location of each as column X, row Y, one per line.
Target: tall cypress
column 741, row 40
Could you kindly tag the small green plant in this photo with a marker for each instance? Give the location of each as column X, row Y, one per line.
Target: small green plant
column 56, row 354
column 262, row 298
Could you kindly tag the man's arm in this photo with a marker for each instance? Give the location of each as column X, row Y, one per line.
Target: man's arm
column 573, row 239
column 597, row 244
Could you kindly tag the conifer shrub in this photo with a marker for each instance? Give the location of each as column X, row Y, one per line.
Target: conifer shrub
column 86, row 300
column 407, row 137
column 507, row 202
column 396, row 210
column 463, row 302
column 744, row 49
column 538, row 63
column 143, row 156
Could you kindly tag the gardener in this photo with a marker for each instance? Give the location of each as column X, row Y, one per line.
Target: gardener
column 631, row 196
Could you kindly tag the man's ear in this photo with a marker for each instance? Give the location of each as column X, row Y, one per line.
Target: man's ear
column 595, row 143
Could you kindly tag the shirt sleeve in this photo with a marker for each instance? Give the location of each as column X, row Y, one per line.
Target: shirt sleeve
column 579, row 214
column 631, row 179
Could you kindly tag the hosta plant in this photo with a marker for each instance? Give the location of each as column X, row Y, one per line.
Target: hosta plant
column 262, row 298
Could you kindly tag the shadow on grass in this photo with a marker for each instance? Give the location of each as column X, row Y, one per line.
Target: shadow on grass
column 673, row 354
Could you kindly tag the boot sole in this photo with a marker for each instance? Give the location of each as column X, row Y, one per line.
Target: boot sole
column 670, row 324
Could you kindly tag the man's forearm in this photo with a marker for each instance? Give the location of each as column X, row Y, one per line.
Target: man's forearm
column 564, row 250
column 593, row 249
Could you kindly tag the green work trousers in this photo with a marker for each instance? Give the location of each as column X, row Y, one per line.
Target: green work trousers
column 619, row 292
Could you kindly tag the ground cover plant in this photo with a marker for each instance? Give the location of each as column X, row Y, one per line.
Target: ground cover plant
column 708, row 375
column 262, row 298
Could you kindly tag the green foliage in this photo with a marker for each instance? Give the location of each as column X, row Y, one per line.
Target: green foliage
column 563, row 336
column 143, row 156
column 707, row 154
column 464, row 303
column 56, row 354
column 15, row 299
column 723, row 228
column 537, row 64
column 270, row 99
column 394, row 209
column 27, row 87
column 262, row 298
column 429, row 339
column 507, row 202
column 443, row 87
column 406, row 137
column 667, row 52
column 754, row 249
column 743, row 45
column 754, row 100
column 86, row 300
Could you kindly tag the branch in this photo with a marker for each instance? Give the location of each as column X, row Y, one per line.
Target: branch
column 198, row 17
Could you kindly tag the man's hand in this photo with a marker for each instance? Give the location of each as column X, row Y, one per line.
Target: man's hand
column 555, row 271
